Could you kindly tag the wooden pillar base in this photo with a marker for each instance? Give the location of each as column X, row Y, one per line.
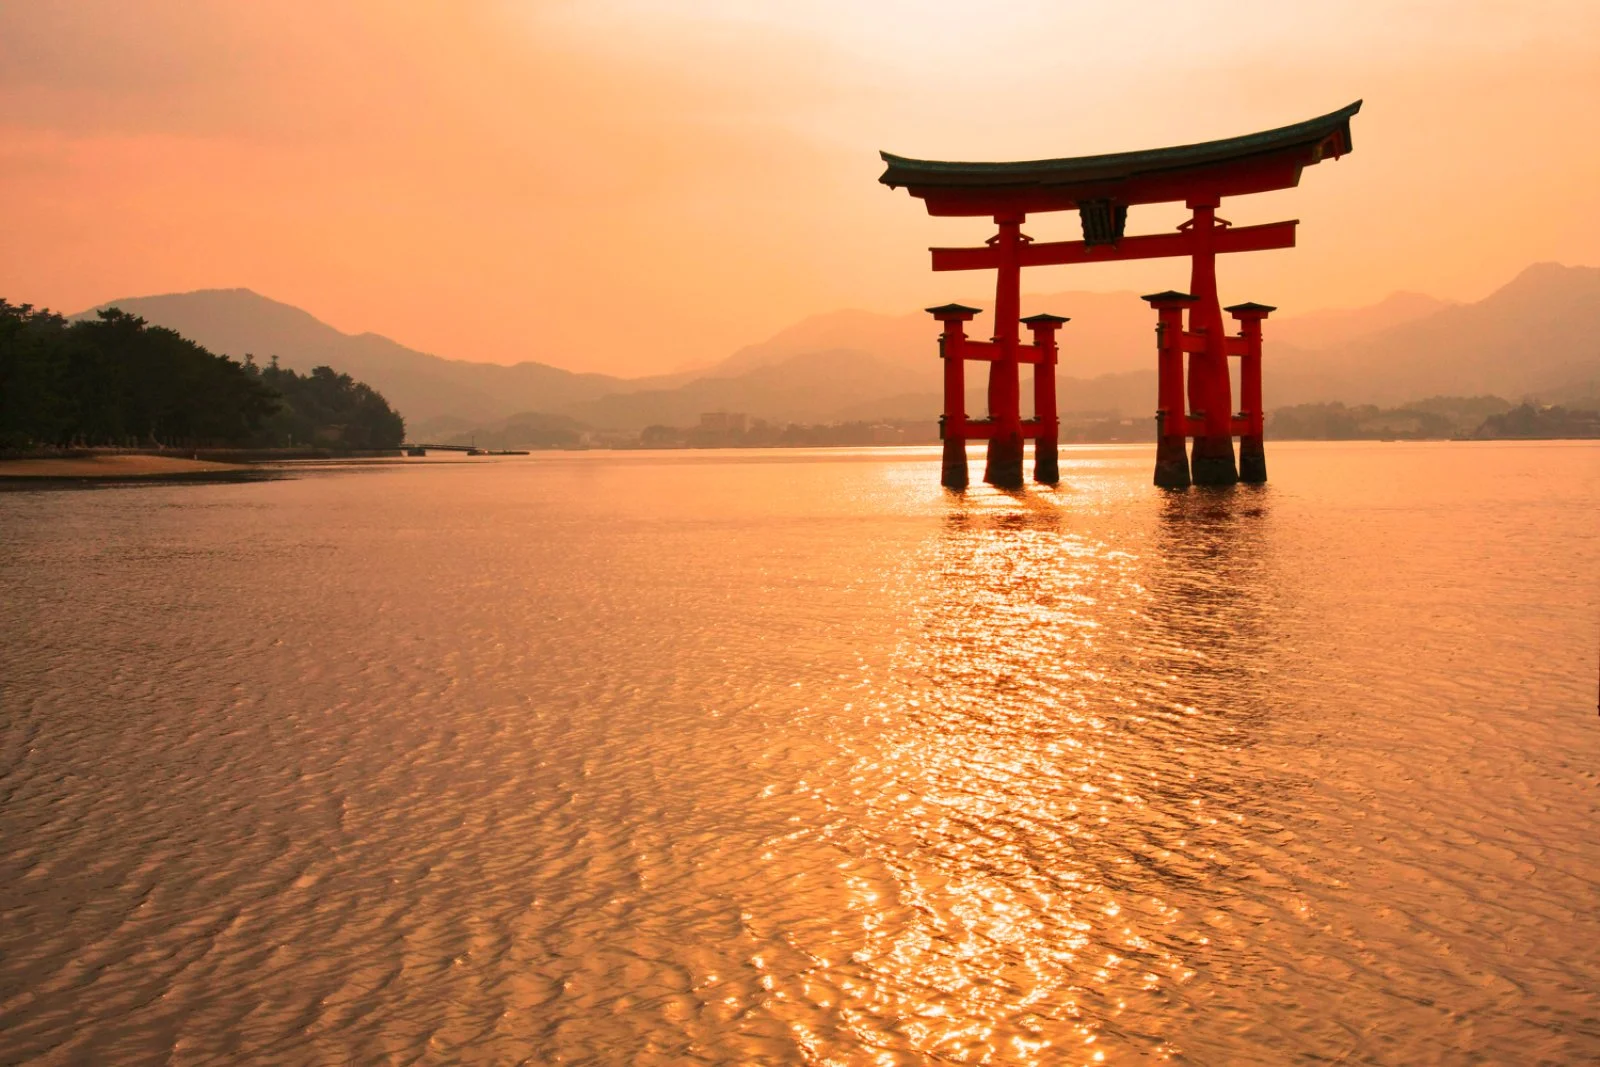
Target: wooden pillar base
column 1046, row 462
column 1212, row 461
column 1252, row 461
column 1004, row 465
column 1172, row 463
column 954, row 474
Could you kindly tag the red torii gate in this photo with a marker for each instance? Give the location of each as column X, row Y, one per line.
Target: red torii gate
column 1101, row 189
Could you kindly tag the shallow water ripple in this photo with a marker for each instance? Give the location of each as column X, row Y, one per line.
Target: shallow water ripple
column 793, row 758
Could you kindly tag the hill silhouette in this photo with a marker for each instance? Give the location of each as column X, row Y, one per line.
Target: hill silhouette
column 1536, row 337
column 115, row 380
column 236, row 322
column 1336, row 327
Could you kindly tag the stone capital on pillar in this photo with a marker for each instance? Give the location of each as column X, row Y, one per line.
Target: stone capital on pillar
column 1251, row 308
column 1169, row 299
column 1045, row 323
column 1250, row 312
column 954, row 312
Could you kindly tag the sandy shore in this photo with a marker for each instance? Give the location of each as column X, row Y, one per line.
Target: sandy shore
column 117, row 466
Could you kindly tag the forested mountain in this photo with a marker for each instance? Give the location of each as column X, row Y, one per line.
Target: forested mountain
column 238, row 322
column 325, row 408
column 116, row 380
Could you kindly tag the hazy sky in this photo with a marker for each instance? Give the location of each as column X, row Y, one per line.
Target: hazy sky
column 635, row 185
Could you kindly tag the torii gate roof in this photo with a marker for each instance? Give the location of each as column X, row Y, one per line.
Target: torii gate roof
column 1254, row 163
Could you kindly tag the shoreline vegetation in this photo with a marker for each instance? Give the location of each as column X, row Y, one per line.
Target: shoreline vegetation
column 1480, row 418
column 117, row 381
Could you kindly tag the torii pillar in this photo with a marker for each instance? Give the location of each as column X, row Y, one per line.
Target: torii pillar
column 953, row 424
column 1210, row 390
column 1003, row 465
column 1252, row 449
column 1047, row 421
column 1172, row 455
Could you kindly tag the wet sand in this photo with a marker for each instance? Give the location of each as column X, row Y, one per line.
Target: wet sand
column 113, row 466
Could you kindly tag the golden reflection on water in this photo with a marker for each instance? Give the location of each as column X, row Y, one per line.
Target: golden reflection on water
column 1038, row 810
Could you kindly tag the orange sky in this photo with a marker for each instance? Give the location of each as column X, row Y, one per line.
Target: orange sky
column 636, row 185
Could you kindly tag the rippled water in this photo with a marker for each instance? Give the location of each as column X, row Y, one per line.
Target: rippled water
column 793, row 758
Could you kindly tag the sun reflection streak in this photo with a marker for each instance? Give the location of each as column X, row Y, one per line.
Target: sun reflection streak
column 1031, row 801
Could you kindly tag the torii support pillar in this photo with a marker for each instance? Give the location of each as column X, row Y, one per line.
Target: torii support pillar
column 1172, row 424
column 1210, row 392
column 1047, row 439
column 1252, row 450
column 1003, row 465
column 953, row 423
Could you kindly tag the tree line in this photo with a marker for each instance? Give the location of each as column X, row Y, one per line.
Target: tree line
column 116, row 380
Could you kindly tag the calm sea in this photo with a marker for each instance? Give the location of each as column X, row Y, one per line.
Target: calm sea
column 791, row 757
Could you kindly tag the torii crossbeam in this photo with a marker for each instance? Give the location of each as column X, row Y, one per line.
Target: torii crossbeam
column 1101, row 189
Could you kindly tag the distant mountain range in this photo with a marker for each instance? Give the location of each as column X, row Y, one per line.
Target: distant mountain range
column 1339, row 326
column 1538, row 336
column 239, row 322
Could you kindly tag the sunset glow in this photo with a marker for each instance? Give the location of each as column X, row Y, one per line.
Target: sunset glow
column 638, row 185
column 798, row 532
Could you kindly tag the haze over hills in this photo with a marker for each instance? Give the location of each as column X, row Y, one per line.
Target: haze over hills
column 1334, row 327
column 1539, row 335
column 236, row 322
